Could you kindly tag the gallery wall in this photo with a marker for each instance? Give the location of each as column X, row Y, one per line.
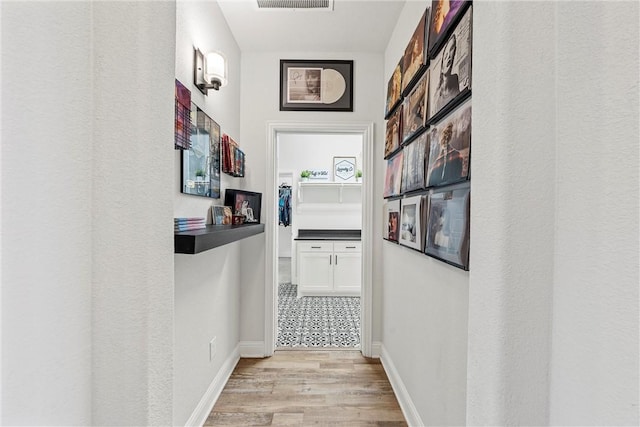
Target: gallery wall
column 207, row 285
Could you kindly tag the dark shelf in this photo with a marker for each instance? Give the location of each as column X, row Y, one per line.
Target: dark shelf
column 196, row 241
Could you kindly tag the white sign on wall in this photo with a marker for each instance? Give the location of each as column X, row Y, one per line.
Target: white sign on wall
column 319, row 175
column 344, row 169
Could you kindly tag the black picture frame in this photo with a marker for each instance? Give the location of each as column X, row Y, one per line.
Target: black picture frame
column 448, row 225
column 236, row 198
column 316, row 85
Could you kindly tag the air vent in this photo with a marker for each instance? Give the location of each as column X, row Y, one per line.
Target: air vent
column 296, row 4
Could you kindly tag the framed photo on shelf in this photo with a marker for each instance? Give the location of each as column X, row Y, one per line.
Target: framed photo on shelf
column 394, row 89
column 245, row 203
column 393, row 133
column 415, row 57
column 451, row 69
column 200, row 171
column 221, row 215
column 393, row 175
column 448, row 225
column 316, row 85
column 450, row 146
column 414, row 161
column 391, row 220
column 411, row 222
column 444, row 14
column 344, row 169
column 414, row 109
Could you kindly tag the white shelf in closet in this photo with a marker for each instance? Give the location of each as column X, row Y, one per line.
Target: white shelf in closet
column 329, row 192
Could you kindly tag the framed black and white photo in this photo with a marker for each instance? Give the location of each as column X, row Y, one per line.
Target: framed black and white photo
column 415, row 57
column 344, row 169
column 414, row 109
column 450, row 79
column 448, row 225
column 391, row 220
column 413, row 171
column 316, row 85
column 411, row 222
column 450, row 146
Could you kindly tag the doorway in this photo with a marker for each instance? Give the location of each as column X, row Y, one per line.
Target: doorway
column 275, row 131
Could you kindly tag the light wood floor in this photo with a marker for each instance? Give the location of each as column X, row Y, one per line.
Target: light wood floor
column 302, row 388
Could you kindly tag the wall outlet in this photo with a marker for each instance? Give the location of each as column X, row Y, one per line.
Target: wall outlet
column 212, row 349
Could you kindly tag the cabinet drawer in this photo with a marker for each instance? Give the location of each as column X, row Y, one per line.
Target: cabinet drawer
column 347, row 246
column 315, row 246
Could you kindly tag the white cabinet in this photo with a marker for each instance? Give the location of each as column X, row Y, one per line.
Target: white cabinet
column 328, row 267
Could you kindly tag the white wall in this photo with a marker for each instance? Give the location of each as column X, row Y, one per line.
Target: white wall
column 207, row 285
column 46, row 214
column 425, row 302
column 259, row 101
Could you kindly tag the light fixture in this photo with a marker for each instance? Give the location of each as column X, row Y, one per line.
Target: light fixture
column 209, row 72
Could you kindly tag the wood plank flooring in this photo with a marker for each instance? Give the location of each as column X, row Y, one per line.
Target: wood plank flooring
column 308, row 388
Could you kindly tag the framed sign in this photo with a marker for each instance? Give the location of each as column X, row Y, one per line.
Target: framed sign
column 316, row 85
column 344, row 169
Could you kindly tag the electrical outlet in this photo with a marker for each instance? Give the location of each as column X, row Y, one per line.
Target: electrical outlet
column 212, row 349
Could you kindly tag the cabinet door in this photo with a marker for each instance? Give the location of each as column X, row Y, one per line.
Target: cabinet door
column 315, row 270
column 347, row 273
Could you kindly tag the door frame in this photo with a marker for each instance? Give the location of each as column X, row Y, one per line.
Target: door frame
column 365, row 129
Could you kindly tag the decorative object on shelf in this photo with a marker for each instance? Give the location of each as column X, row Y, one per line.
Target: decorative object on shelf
column 210, row 71
column 304, row 175
column 444, row 14
column 221, row 215
column 415, row 59
column 414, row 110
column 245, row 203
column 450, row 142
column 183, row 117
column 188, row 223
column 394, row 133
column 344, row 169
column 394, row 90
column 414, row 161
column 233, row 158
column 393, row 177
column 358, row 175
column 451, row 70
column 448, row 225
column 316, row 85
column 200, row 172
column 319, row 175
column 412, row 222
column 238, row 219
column 391, row 220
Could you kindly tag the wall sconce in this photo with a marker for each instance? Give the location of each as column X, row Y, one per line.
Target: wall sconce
column 209, row 72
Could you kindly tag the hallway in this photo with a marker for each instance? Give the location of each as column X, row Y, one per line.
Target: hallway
column 337, row 388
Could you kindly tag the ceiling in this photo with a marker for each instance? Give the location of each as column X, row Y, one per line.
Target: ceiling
column 352, row 26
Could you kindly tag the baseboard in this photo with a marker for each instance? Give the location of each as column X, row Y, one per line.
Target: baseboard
column 202, row 411
column 376, row 349
column 251, row 349
column 406, row 404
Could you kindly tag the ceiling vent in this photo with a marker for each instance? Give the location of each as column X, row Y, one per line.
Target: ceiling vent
column 296, row 4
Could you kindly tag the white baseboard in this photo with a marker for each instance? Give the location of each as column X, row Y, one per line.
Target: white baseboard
column 202, row 411
column 252, row 349
column 406, row 404
column 376, row 349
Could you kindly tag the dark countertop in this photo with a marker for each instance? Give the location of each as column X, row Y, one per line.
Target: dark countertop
column 308, row 234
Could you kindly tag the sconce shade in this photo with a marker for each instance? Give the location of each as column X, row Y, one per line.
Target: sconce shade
column 209, row 72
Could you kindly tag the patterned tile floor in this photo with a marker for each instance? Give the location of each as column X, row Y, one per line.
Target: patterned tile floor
column 317, row 322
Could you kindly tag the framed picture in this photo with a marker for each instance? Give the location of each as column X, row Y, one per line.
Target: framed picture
column 414, row 161
column 444, row 14
column 415, row 57
column 221, row 215
column 393, row 133
column 313, row 85
column 200, row 172
column 391, row 220
column 245, row 203
column 450, row 146
column 448, row 225
column 414, row 109
column 344, row 169
column 183, row 117
column 394, row 89
column 451, row 70
column 412, row 222
column 393, row 176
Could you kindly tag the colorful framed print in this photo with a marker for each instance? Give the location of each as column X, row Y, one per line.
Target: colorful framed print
column 393, row 176
column 314, row 85
column 413, row 172
column 414, row 109
column 448, row 225
column 182, row 134
column 393, row 133
column 444, row 14
column 450, row 147
column 415, row 57
column 391, row 220
column 244, row 203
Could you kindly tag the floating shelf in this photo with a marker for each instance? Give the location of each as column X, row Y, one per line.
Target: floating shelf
column 196, row 241
column 338, row 187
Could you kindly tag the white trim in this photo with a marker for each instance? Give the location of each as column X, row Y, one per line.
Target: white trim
column 202, row 411
column 251, row 349
column 376, row 349
column 271, row 228
column 406, row 404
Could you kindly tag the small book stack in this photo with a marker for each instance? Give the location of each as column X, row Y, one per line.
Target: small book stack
column 190, row 223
